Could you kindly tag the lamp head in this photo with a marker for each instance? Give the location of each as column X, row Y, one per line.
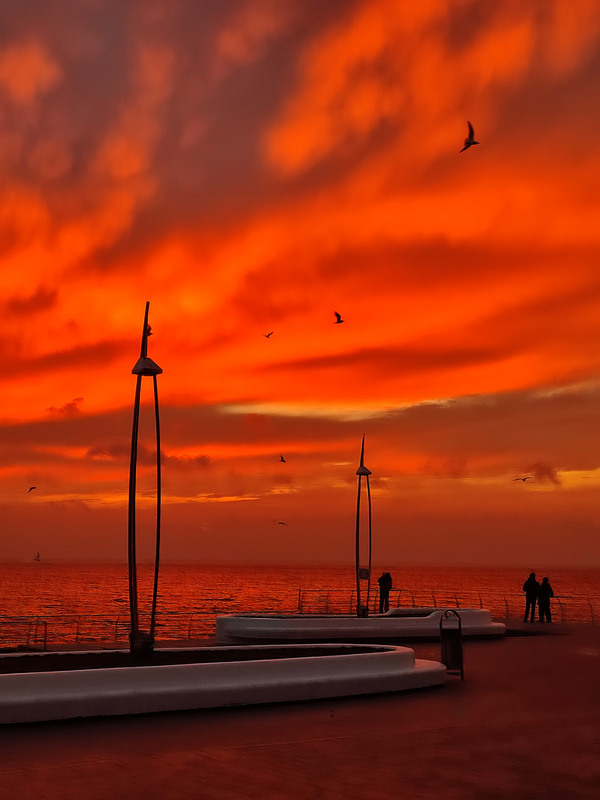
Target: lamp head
column 145, row 366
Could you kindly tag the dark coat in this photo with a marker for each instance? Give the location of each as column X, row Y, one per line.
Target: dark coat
column 545, row 591
column 531, row 587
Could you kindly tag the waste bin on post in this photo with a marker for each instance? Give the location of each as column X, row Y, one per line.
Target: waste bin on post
column 451, row 639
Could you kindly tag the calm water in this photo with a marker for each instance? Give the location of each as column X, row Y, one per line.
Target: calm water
column 190, row 596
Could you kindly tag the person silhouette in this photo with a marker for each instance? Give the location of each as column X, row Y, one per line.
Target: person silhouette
column 531, row 588
column 544, row 594
column 385, row 585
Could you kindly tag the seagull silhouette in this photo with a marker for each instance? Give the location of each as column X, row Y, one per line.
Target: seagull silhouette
column 282, row 523
column 470, row 138
column 281, row 458
column 268, row 335
column 523, row 479
column 31, row 488
column 338, row 318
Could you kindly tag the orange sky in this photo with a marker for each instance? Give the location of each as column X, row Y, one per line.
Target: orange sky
column 250, row 166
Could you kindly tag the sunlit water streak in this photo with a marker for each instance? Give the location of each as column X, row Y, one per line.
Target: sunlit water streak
column 191, row 596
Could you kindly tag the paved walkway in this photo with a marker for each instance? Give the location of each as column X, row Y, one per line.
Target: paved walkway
column 523, row 724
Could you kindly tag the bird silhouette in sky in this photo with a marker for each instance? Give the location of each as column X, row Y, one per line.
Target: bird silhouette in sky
column 338, row 318
column 268, row 335
column 281, row 458
column 31, row 488
column 282, row 523
column 526, row 478
column 470, row 138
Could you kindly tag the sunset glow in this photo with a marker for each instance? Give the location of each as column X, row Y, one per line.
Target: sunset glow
column 253, row 166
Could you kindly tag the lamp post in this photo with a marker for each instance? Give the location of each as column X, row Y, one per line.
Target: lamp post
column 141, row 641
column 362, row 573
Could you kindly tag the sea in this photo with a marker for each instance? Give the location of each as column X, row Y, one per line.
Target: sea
column 65, row 603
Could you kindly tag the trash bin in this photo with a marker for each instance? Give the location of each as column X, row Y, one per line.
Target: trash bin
column 451, row 640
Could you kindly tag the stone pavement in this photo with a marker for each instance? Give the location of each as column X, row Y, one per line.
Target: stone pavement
column 523, row 724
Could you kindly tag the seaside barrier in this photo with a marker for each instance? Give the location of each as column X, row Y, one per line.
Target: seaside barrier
column 566, row 608
column 47, row 631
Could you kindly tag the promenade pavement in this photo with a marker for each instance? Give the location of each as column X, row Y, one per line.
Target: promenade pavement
column 524, row 723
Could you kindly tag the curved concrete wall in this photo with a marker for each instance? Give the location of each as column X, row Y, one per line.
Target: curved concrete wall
column 37, row 696
column 396, row 623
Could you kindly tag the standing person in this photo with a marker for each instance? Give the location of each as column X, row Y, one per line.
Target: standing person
column 544, row 595
column 385, row 586
column 531, row 588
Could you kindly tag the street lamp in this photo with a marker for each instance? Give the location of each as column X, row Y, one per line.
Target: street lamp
column 362, row 573
column 141, row 641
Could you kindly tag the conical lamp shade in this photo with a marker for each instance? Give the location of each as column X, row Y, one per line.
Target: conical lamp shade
column 145, row 366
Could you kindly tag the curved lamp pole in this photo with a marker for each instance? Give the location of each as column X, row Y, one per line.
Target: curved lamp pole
column 142, row 641
column 362, row 573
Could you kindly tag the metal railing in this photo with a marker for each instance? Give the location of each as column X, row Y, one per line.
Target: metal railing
column 70, row 630
column 567, row 608
column 42, row 632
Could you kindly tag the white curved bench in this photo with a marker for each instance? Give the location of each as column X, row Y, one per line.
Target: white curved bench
column 396, row 623
column 37, row 696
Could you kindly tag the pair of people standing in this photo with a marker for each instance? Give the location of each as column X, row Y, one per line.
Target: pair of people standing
column 540, row 594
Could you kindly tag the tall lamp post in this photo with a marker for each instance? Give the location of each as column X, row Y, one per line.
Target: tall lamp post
column 142, row 641
column 362, row 573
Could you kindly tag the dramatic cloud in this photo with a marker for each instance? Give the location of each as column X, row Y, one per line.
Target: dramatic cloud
column 250, row 166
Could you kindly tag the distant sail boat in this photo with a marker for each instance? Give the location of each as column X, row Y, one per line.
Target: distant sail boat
column 37, row 557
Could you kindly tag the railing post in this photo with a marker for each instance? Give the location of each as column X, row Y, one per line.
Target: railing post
column 506, row 605
column 77, row 629
column 44, row 628
column 327, row 603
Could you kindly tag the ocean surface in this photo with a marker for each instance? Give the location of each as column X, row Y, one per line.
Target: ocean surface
column 90, row 602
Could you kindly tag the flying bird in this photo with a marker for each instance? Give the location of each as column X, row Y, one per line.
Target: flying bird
column 338, row 318
column 268, row 335
column 31, row 488
column 470, row 138
column 281, row 458
column 282, row 523
column 526, row 478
